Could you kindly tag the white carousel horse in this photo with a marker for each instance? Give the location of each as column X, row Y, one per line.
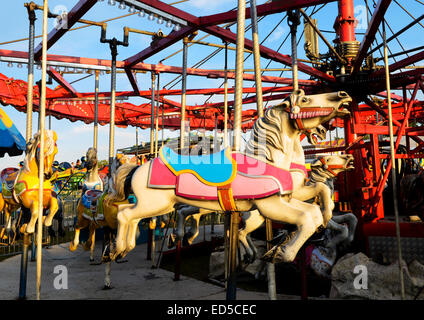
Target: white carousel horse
column 275, row 139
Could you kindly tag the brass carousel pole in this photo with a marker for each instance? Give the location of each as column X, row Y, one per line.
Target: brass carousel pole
column 96, row 109
column 238, row 102
column 27, row 239
column 226, row 98
column 259, row 104
column 157, row 120
column 41, row 155
column 393, row 158
column 183, row 99
column 152, row 115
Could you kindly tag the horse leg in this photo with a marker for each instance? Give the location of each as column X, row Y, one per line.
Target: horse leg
column 317, row 189
column 81, row 224
column 351, row 221
column 182, row 216
column 342, row 233
column 107, row 276
column 307, row 217
column 132, row 231
column 129, row 214
column 54, row 206
column 253, row 220
column 30, row 228
column 90, row 244
column 194, row 230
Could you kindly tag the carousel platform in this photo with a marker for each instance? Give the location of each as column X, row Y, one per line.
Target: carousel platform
column 133, row 280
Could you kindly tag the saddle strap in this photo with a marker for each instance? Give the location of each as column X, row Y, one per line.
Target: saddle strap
column 226, row 199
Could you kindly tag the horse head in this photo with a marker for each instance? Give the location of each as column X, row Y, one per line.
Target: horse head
column 309, row 111
column 32, row 157
column 330, row 166
column 91, row 158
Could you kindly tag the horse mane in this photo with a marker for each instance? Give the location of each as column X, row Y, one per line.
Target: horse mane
column 267, row 133
column 91, row 153
column 31, row 147
column 121, row 181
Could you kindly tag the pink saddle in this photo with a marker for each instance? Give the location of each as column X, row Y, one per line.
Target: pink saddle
column 255, row 179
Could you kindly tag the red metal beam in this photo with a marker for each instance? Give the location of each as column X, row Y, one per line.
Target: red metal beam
column 262, row 10
column 402, row 63
column 133, row 80
column 65, row 84
column 191, row 19
column 155, row 67
column 158, row 46
column 229, row 36
column 76, row 13
column 369, row 37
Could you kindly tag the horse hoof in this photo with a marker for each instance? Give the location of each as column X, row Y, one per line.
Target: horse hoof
column 72, row 248
column 107, row 287
column 28, row 229
column 106, row 259
column 91, row 259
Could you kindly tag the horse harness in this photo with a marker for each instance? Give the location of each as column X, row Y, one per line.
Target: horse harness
column 330, row 167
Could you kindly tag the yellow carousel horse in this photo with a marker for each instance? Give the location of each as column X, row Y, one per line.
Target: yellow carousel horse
column 20, row 187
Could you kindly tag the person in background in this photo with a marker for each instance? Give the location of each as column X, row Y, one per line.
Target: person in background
column 78, row 164
column 73, row 165
column 83, row 162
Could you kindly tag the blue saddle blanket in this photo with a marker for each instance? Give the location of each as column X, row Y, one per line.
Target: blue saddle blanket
column 89, row 198
column 214, row 169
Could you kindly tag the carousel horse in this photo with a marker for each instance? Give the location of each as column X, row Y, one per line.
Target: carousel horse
column 20, row 187
column 233, row 181
column 91, row 211
column 186, row 211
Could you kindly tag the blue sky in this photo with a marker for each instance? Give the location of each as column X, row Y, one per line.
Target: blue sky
column 76, row 137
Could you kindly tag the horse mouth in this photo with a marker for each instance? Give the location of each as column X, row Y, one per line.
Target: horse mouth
column 47, row 176
column 314, row 138
column 342, row 109
column 350, row 164
column 311, row 114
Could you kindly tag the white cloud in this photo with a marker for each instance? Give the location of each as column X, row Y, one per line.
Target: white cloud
column 277, row 34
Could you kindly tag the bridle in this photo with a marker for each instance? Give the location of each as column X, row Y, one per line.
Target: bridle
column 331, row 166
column 297, row 114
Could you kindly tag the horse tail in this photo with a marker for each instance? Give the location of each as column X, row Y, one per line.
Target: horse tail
column 121, row 183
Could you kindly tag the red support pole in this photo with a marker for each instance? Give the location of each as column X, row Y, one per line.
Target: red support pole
column 346, row 21
column 345, row 28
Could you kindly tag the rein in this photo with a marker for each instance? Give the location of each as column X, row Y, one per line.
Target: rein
column 331, row 167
